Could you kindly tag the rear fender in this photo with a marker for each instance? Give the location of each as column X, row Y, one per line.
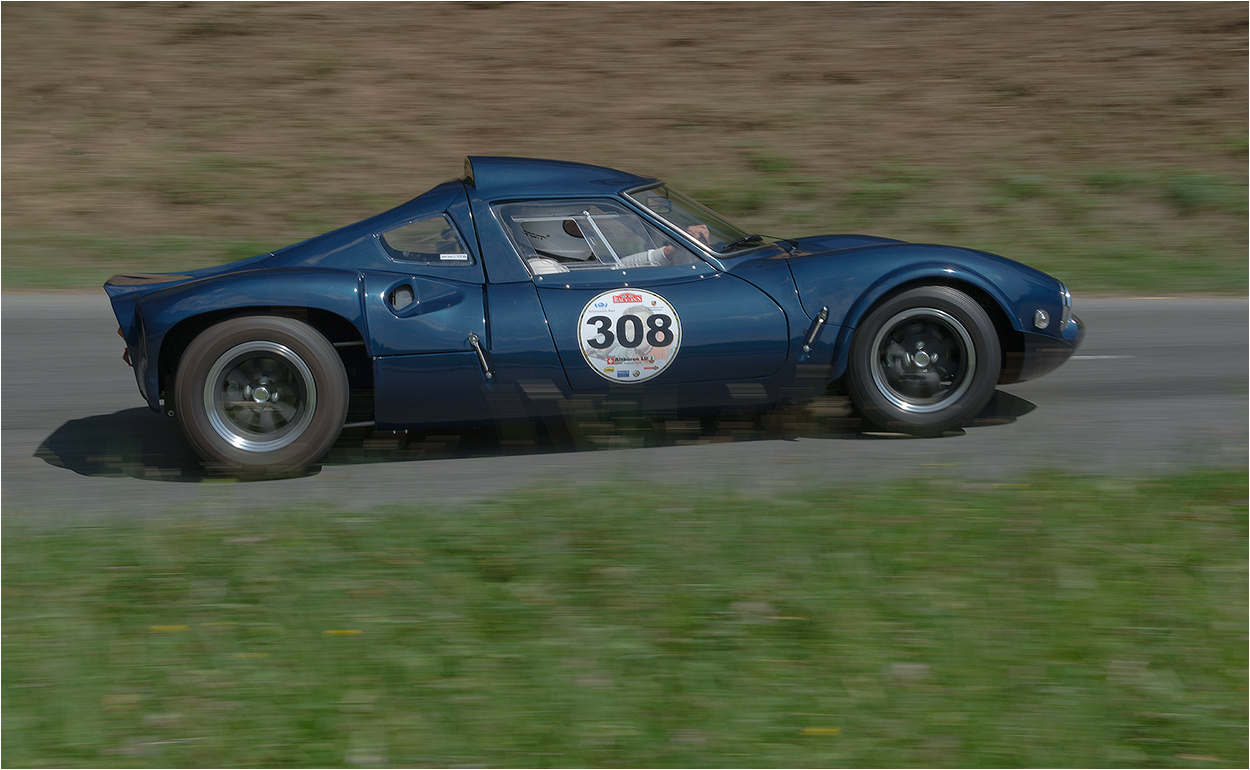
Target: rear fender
column 171, row 318
column 124, row 292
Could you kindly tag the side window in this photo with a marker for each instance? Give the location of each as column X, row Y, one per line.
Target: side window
column 571, row 236
column 430, row 241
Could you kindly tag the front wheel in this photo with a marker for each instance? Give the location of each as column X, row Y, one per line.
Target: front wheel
column 924, row 362
column 262, row 395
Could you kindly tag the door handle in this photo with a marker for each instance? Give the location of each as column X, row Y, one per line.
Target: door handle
column 814, row 332
column 483, row 358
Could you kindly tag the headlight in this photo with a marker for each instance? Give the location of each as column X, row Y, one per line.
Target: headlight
column 1066, row 301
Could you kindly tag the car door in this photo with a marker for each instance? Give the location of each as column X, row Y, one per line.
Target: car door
column 424, row 314
column 629, row 306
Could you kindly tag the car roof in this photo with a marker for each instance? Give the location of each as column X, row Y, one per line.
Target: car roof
column 500, row 178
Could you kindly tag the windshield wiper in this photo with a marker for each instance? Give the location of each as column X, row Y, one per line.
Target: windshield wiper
column 789, row 244
column 744, row 240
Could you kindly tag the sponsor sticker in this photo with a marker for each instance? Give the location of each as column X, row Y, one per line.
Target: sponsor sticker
column 454, row 257
column 630, row 335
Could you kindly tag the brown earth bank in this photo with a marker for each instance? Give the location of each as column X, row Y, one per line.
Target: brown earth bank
column 1104, row 142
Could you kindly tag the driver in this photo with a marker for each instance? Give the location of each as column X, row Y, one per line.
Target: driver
column 558, row 246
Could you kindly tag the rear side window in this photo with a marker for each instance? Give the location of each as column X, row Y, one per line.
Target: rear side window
column 430, row 241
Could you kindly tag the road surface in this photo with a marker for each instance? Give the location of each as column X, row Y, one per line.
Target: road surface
column 1159, row 386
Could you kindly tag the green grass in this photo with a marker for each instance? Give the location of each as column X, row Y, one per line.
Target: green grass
column 1060, row 226
column 886, row 191
column 1102, row 229
column 67, row 261
column 1059, row 622
column 1193, row 193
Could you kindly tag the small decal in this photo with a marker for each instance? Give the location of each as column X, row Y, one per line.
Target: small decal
column 629, row 336
column 454, row 257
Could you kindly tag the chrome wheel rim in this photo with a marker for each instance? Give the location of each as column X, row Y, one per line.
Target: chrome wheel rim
column 259, row 396
column 923, row 360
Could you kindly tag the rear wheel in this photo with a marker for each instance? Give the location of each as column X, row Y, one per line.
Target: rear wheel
column 261, row 395
column 924, row 362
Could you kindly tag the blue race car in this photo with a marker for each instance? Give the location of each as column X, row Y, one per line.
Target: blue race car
column 526, row 284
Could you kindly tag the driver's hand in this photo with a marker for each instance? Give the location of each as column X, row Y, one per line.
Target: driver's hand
column 700, row 233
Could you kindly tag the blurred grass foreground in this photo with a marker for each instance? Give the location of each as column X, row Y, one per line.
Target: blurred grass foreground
column 1103, row 143
column 1062, row 622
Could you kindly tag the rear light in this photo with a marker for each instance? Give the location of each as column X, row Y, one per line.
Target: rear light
column 125, row 351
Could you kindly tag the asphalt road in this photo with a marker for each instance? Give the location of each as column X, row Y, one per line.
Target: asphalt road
column 1160, row 385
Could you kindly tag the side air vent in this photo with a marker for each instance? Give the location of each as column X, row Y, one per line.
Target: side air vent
column 401, row 297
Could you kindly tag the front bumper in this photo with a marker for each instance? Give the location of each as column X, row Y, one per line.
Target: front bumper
column 1042, row 353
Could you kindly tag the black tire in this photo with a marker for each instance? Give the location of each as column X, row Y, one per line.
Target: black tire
column 924, row 362
column 261, row 395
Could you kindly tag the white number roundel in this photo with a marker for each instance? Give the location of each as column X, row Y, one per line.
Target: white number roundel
column 629, row 335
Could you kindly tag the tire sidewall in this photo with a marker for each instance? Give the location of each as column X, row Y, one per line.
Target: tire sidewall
column 329, row 378
column 878, row 409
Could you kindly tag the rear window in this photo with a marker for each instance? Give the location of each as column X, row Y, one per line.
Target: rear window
column 430, row 241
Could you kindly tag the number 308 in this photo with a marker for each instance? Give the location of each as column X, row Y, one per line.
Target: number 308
column 629, row 331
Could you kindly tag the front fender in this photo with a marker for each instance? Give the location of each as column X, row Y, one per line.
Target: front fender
column 851, row 282
column 915, row 275
column 168, row 316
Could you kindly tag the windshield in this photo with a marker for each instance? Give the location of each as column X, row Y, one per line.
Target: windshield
column 694, row 219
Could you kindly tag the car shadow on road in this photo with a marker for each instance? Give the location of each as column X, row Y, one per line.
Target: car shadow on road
column 142, row 444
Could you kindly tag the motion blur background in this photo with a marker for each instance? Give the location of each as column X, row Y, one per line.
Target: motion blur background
column 1105, row 143
column 1066, row 589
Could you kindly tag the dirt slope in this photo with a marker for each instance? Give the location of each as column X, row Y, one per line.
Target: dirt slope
column 991, row 124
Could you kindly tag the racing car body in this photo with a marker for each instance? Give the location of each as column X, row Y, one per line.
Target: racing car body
column 526, row 283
